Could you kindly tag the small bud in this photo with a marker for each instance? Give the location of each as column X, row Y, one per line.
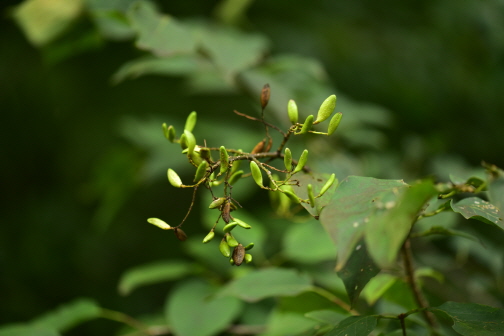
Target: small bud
column 228, row 227
column 242, row 223
column 231, row 261
column 326, row 109
column 169, row 132
column 224, row 248
column 249, row 246
column 292, row 196
column 195, row 158
column 334, row 123
column 224, row 159
column 307, row 124
column 302, row 161
column 311, row 197
column 226, row 212
column 174, row 178
column 159, row 223
column 248, row 258
column 259, row 147
column 190, row 141
column 180, row 234
column 231, row 241
column 328, row 184
column 235, row 177
column 183, row 141
column 267, row 146
column 217, row 202
column 190, row 121
column 238, row 254
column 235, row 166
column 201, row 171
column 288, row 159
column 265, row 95
column 256, row 173
column 292, row 110
column 209, row 237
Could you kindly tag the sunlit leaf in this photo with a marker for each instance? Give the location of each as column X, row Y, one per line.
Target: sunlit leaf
column 163, row 35
column 354, row 201
column 153, row 273
column 354, row 326
column 377, row 286
column 193, row 310
column 386, row 231
column 476, row 208
column 264, row 283
column 358, row 270
column 474, row 319
column 317, row 181
column 69, row 315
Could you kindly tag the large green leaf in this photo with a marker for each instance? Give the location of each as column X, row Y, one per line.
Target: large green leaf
column 476, row 208
column 354, row 201
column 261, row 284
column 496, row 192
column 317, row 181
column 69, row 315
column 377, row 287
column 387, row 230
column 153, row 273
column 358, row 270
column 471, row 319
column 354, row 326
column 27, row 330
column 193, row 310
column 287, row 323
column 326, row 316
column 163, row 35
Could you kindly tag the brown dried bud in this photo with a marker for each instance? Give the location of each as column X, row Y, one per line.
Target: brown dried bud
column 268, row 146
column 226, row 209
column 180, row 234
column 238, row 254
column 265, row 95
column 259, row 147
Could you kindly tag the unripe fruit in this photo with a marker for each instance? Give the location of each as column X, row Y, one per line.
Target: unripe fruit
column 256, row 173
column 190, row 141
column 209, row 237
column 242, row 223
column 159, row 223
column 224, row 159
column 292, row 196
column 292, row 110
column 248, row 258
column 224, row 248
column 302, row 161
column 235, row 177
column 326, row 109
column 249, row 246
column 334, row 123
column 228, row 227
column 231, row 241
column 190, row 121
column 328, row 184
column 174, row 178
column 307, row 124
column 311, row 197
column 217, row 203
column 201, row 171
column 169, row 132
column 288, row 159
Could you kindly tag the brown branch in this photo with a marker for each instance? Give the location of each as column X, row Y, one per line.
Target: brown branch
column 261, row 121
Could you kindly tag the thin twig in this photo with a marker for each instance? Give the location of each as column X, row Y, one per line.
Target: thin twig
column 190, row 207
column 261, row 121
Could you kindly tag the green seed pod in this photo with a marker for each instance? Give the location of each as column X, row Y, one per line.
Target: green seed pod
column 292, row 110
column 311, row 197
column 307, row 124
column 231, row 261
column 302, row 161
column 238, row 254
column 248, row 258
column 209, row 237
column 292, row 196
column 217, row 202
column 224, row 248
column 190, row 141
column 180, row 234
column 256, row 173
column 206, row 154
column 224, row 159
column 235, row 177
column 328, row 184
column 334, row 123
column 231, row 241
column 288, row 159
column 201, row 171
column 235, row 166
column 249, row 246
column 174, row 178
column 183, row 142
column 190, row 121
column 195, row 158
column 326, row 109
column 159, row 223
column 242, row 223
column 228, row 227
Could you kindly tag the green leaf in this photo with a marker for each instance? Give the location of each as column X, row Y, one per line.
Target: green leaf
column 429, row 272
column 27, row 330
column 476, row 208
column 355, row 200
column 359, row 269
column 287, row 323
column 193, row 310
column 386, row 231
column 264, row 283
column 326, row 316
column 474, row 319
column 377, row 287
column 496, row 192
column 317, row 181
column 153, row 273
column 307, row 242
column 354, row 326
column 163, row 35
column 447, row 232
column 69, row 315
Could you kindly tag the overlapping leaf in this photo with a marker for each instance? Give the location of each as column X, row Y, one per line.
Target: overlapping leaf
column 476, row 208
column 355, row 326
column 317, row 181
